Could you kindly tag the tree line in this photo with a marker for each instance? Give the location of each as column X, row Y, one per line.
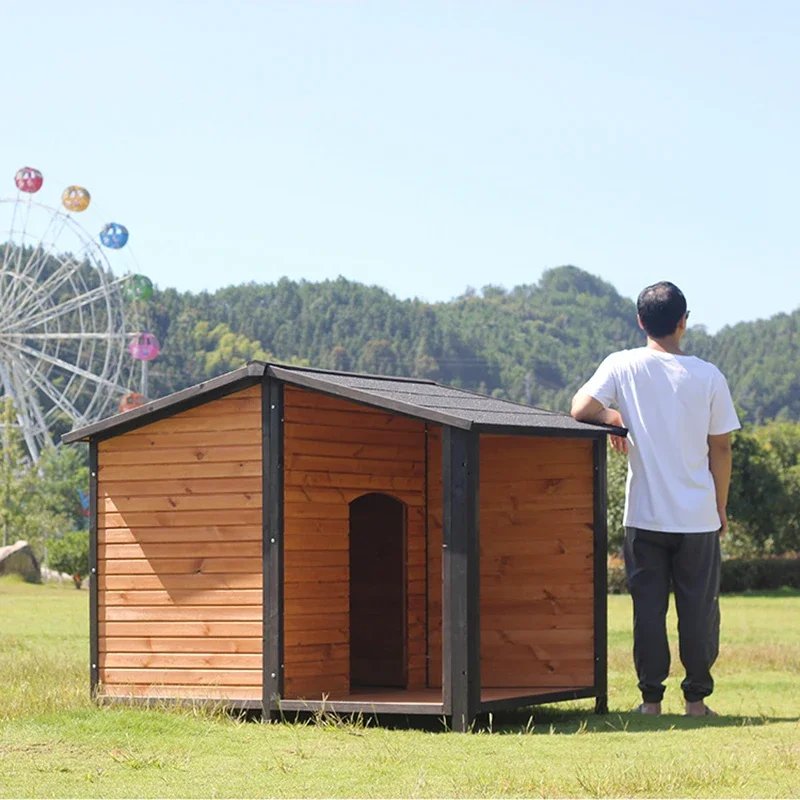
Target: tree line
column 534, row 343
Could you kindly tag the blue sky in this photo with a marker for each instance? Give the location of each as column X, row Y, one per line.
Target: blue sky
column 424, row 146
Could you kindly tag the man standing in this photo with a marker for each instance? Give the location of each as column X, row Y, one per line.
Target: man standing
column 679, row 414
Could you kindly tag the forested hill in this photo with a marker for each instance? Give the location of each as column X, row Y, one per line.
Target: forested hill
column 537, row 342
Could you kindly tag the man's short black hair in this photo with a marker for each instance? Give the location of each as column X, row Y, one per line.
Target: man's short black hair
column 661, row 307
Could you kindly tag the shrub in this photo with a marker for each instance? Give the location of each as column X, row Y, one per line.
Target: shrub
column 70, row 554
column 616, row 576
column 738, row 575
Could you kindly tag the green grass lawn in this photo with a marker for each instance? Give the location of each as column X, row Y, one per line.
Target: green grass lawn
column 54, row 743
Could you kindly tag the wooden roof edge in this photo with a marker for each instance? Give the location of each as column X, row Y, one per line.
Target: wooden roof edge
column 581, row 430
column 341, row 374
column 183, row 400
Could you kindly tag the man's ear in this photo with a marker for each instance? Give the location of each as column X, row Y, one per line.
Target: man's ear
column 639, row 320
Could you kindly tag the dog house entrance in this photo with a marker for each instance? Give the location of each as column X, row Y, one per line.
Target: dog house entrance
column 377, row 592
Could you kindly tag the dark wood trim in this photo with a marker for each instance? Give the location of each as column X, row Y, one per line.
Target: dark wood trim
column 586, row 431
column 94, row 641
column 537, row 699
column 461, row 680
column 427, row 566
column 272, row 549
column 168, row 406
column 600, row 577
column 368, row 398
column 355, row 706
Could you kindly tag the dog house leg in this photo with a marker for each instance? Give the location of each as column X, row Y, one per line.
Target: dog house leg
column 461, row 575
column 272, row 546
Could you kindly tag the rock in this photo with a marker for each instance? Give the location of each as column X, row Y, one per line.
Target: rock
column 51, row 576
column 18, row 558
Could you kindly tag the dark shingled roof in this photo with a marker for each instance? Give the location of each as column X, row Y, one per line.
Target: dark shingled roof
column 421, row 399
column 433, row 402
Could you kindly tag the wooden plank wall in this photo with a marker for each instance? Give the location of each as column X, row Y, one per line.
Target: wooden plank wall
column 536, row 561
column 179, row 546
column 537, row 588
column 335, row 451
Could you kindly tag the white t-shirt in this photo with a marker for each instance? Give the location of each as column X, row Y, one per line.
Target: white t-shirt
column 670, row 404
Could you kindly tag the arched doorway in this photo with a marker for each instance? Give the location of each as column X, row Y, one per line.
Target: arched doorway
column 378, row 592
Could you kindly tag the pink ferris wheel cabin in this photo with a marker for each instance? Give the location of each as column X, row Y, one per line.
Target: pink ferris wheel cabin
column 144, row 347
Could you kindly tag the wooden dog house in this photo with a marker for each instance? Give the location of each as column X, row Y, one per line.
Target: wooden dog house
column 287, row 539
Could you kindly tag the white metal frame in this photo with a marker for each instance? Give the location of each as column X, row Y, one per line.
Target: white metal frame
column 63, row 334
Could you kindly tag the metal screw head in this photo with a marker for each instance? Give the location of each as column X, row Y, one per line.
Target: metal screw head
column 273, row 675
column 272, row 541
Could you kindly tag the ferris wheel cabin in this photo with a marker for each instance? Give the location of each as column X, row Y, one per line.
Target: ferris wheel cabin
column 290, row 539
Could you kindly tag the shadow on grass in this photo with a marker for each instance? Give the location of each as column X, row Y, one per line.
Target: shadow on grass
column 572, row 721
column 534, row 721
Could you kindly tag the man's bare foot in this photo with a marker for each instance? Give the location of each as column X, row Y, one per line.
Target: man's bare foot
column 651, row 709
column 699, row 709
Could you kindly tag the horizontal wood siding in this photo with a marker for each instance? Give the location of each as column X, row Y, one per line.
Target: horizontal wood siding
column 335, row 451
column 536, row 562
column 179, row 554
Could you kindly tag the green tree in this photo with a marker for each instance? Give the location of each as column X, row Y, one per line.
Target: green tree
column 70, row 554
column 62, row 474
column 219, row 349
column 617, row 471
column 16, row 476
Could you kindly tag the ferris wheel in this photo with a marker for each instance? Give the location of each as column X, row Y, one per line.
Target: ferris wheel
column 71, row 332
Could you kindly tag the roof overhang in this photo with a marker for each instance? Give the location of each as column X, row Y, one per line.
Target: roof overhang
column 325, row 382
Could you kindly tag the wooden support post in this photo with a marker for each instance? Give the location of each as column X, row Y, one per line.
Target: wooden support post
column 600, row 577
column 94, row 642
column 272, row 548
column 461, row 680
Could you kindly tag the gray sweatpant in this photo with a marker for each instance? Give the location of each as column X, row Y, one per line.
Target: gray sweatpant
column 691, row 562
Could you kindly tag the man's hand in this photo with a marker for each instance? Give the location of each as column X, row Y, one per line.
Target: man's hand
column 619, row 443
column 587, row 409
column 723, row 518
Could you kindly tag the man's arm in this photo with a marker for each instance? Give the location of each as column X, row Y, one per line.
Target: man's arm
column 586, row 408
column 720, row 462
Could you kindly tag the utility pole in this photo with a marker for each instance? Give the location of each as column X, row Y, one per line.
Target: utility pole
column 145, row 379
column 6, row 469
